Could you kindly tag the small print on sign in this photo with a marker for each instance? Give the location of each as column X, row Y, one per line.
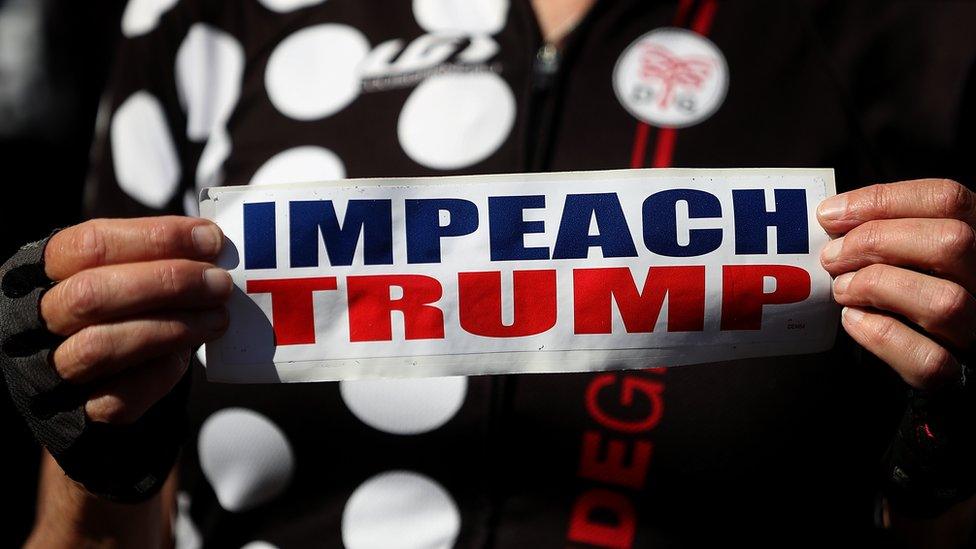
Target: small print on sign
column 557, row 272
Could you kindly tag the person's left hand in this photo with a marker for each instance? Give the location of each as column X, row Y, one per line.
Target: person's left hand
column 905, row 270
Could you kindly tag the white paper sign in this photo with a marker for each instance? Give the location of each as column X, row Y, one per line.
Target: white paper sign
column 552, row 272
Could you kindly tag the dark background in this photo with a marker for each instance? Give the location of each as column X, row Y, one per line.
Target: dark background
column 54, row 59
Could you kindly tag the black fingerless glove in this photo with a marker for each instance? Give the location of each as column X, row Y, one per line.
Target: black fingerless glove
column 930, row 464
column 124, row 463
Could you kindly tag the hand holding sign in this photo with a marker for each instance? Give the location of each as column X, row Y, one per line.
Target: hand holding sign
column 99, row 322
column 908, row 251
column 133, row 297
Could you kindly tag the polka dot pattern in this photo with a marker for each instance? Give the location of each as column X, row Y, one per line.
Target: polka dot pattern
column 141, row 16
column 191, row 206
column 453, row 121
column 285, row 6
column 216, row 151
column 209, row 66
column 299, row 165
column 146, row 165
column 461, row 16
column 259, row 545
column 246, row 457
column 315, row 72
column 400, row 509
column 186, row 535
column 449, row 121
column 405, row 406
column 201, row 355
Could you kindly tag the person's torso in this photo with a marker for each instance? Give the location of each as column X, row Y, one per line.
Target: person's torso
column 639, row 458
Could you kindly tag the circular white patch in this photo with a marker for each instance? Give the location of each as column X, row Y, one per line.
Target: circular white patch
column 202, row 355
column 455, row 120
column 481, row 49
column 671, row 78
column 400, row 509
column 315, row 72
column 143, row 154
column 142, row 16
column 259, row 545
column 209, row 66
column 210, row 166
column 461, row 16
column 190, row 205
column 300, row 165
column 246, row 458
column 186, row 535
column 405, row 406
column 284, row 6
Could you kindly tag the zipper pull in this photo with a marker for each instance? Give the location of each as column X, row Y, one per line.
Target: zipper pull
column 546, row 64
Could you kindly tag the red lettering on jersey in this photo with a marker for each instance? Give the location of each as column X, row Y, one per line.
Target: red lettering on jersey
column 651, row 389
column 619, row 466
column 586, row 526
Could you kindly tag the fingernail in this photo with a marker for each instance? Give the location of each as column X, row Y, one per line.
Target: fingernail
column 207, row 239
column 842, row 282
column 218, row 281
column 852, row 316
column 832, row 250
column 833, row 208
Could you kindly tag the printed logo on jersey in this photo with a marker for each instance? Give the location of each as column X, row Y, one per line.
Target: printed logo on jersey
column 459, row 113
column 393, row 65
column 671, row 78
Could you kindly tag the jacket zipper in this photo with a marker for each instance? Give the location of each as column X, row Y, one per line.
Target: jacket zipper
column 541, row 111
column 547, row 60
column 539, row 119
column 546, row 80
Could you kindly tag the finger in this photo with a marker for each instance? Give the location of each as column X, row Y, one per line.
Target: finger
column 921, row 362
column 125, row 398
column 114, row 241
column 102, row 294
column 104, row 350
column 942, row 308
column 931, row 198
column 946, row 247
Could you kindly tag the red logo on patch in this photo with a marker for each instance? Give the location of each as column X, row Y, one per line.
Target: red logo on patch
column 673, row 71
column 671, row 78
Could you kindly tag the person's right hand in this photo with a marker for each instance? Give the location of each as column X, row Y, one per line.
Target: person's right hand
column 134, row 297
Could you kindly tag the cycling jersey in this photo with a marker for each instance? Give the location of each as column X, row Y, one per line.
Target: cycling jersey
column 265, row 91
